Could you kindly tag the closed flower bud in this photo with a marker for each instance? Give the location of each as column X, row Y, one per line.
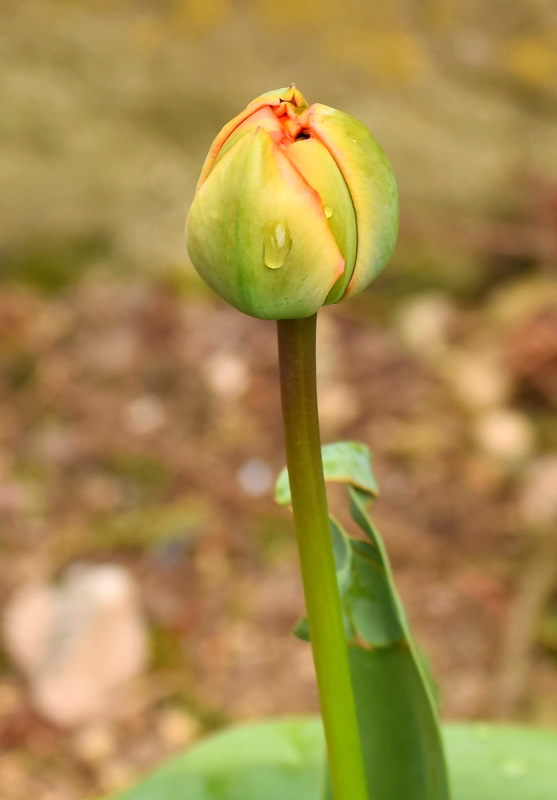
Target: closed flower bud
column 296, row 207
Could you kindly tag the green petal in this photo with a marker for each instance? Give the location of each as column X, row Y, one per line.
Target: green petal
column 320, row 170
column 372, row 186
column 258, row 235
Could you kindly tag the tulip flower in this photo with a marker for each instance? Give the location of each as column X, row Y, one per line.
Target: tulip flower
column 296, row 207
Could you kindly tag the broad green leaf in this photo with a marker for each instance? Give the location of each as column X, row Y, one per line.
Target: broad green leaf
column 273, row 760
column 490, row 762
column 282, row 760
column 343, row 462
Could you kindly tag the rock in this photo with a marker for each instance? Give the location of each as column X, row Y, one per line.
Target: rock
column 112, row 352
column 515, row 302
column 506, row 435
column 255, row 477
column 338, row 406
column 101, row 492
column 14, row 775
column 424, row 323
column 532, row 355
column 10, row 699
column 95, row 744
column 78, row 643
column 115, row 776
column 538, row 494
column 227, row 375
column 28, row 620
column 176, row 728
column 14, row 498
column 479, row 379
column 144, row 415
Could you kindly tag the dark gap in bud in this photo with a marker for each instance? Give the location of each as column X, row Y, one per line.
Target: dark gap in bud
column 302, row 135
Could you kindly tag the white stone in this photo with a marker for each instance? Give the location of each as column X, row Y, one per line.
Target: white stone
column 506, row 435
column 95, row 744
column 338, row 405
column 424, row 323
column 480, row 379
column 176, row 728
column 538, row 495
column 227, row 375
column 78, row 643
column 255, row 477
column 145, row 415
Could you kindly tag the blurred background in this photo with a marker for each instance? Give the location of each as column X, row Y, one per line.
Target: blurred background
column 147, row 580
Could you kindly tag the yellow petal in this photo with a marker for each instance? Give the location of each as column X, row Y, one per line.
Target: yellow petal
column 258, row 235
column 320, row 170
column 371, row 184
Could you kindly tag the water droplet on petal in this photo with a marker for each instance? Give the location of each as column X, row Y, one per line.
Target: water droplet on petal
column 514, row 768
column 277, row 243
column 328, row 211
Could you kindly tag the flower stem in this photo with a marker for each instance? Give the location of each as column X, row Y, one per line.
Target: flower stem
column 296, row 339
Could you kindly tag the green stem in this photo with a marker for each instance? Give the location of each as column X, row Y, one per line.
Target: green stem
column 296, row 338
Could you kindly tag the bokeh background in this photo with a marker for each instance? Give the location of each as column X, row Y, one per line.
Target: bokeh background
column 139, row 417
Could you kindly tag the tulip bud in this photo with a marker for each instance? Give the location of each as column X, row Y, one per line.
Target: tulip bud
column 296, row 207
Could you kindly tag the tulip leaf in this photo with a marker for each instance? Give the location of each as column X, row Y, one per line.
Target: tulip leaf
column 396, row 699
column 282, row 759
column 343, row 462
column 369, row 611
column 399, row 730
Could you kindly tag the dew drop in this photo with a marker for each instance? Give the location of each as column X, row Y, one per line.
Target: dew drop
column 328, row 212
column 277, row 243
